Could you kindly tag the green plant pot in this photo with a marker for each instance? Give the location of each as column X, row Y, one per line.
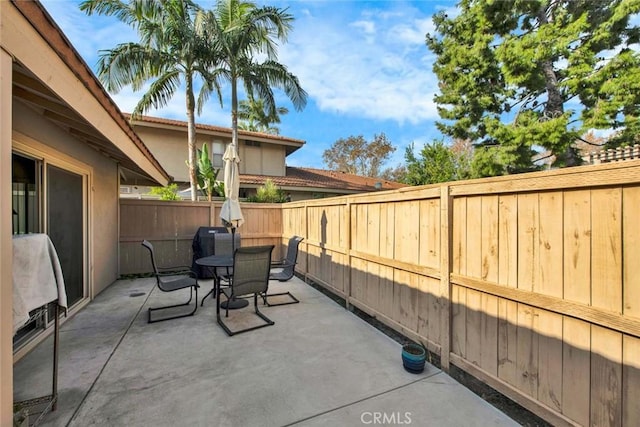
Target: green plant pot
column 413, row 358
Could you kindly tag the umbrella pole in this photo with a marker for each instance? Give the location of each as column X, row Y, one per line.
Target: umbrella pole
column 233, row 240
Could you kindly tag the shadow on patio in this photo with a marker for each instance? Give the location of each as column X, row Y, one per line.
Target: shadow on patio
column 318, row 365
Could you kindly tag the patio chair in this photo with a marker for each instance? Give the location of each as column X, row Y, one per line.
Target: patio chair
column 171, row 279
column 250, row 276
column 225, row 244
column 284, row 270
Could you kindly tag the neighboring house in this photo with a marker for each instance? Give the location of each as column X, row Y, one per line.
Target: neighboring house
column 64, row 146
column 263, row 156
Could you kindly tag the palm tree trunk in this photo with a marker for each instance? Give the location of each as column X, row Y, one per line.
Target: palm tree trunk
column 234, row 110
column 191, row 135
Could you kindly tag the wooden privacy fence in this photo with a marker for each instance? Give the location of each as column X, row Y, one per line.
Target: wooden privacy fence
column 170, row 226
column 529, row 282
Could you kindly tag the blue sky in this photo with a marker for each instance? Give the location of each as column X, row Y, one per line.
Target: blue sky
column 364, row 64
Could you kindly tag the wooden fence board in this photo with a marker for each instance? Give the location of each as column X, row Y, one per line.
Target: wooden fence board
column 387, row 232
column 429, row 220
column 358, row 280
column 372, row 291
column 407, row 229
column 459, row 236
column 577, row 246
column 387, row 303
column 507, row 340
column 576, row 369
column 489, row 238
column 428, row 308
column 474, row 237
column 528, row 238
column 630, row 381
column 527, row 352
column 550, row 249
column 606, row 244
column 549, row 331
column 473, row 327
column 606, row 377
column 373, row 229
column 489, row 334
column 631, row 241
column 508, row 240
column 459, row 321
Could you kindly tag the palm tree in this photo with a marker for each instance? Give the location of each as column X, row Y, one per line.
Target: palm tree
column 254, row 118
column 170, row 49
column 239, row 31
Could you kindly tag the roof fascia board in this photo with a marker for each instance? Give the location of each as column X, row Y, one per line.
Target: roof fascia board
column 215, row 131
column 29, row 34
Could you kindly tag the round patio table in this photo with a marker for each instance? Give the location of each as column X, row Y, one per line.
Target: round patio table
column 220, row 261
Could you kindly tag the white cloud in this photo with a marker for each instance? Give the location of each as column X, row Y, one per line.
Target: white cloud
column 383, row 74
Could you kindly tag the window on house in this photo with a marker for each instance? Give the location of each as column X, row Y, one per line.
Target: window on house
column 252, row 143
column 217, row 151
column 24, row 194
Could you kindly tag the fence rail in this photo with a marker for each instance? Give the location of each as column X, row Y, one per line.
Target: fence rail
column 529, row 282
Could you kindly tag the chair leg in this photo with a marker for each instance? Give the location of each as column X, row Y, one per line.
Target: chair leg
column 268, row 322
column 266, row 301
column 191, row 313
column 259, row 313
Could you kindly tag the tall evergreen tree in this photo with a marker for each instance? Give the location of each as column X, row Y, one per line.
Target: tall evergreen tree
column 518, row 75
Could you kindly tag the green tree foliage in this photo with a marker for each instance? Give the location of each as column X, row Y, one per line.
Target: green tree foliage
column 518, row 75
column 357, row 156
column 170, row 192
column 436, row 162
column 239, row 32
column 254, row 118
column 208, row 175
column 268, row 193
column 170, row 50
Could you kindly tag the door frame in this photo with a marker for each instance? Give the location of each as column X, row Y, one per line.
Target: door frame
column 31, row 148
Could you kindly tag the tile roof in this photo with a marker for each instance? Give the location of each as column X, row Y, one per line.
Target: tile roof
column 322, row 179
column 220, row 129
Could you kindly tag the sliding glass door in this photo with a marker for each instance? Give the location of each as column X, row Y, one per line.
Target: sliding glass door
column 65, row 225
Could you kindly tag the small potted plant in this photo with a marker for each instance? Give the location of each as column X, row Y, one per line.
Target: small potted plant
column 413, row 357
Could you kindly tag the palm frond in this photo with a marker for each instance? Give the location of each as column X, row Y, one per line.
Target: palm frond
column 160, row 92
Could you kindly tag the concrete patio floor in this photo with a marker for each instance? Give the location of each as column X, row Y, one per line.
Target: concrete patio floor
column 318, row 365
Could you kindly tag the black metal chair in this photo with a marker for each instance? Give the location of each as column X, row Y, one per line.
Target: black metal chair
column 171, row 279
column 223, row 244
column 284, row 270
column 250, row 276
column 219, row 243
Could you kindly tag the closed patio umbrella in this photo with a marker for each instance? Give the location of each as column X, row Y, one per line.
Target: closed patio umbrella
column 230, row 213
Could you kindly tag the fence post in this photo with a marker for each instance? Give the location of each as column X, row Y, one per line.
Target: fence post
column 446, row 227
column 347, row 289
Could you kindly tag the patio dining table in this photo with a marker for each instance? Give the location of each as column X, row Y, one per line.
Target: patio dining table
column 220, row 261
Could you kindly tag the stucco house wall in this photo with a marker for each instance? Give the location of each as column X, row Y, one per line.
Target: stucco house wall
column 169, row 146
column 40, row 137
